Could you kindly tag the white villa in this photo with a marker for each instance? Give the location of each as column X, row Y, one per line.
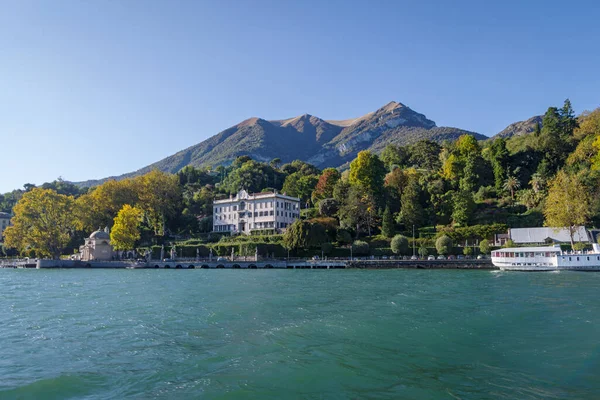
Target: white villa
column 248, row 212
column 4, row 223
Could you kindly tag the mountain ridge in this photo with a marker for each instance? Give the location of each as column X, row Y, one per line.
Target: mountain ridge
column 324, row 143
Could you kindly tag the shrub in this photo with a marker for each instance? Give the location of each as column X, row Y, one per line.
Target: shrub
column 343, row 237
column 509, row 243
column 360, row 248
column 326, row 248
column 484, row 246
column 467, row 251
column 423, row 252
column 309, row 213
column 400, row 245
column 443, row 245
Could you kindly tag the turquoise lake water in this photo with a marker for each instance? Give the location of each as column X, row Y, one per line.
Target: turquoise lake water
column 298, row 334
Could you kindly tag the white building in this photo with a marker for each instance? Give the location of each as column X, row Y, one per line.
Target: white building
column 4, row 223
column 248, row 212
column 97, row 247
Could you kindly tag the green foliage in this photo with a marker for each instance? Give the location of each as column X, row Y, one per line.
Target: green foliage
column 304, row 235
column 343, row 237
column 423, row 252
column 443, row 245
column 328, row 207
column 252, row 176
column 425, row 154
column 467, row 251
column 367, row 172
column 326, row 248
column 394, row 155
column 509, row 243
column 568, row 203
column 299, row 185
column 360, row 248
column 387, row 226
column 399, row 245
column 411, row 211
column 484, row 246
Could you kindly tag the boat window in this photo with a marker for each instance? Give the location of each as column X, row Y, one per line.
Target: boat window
column 569, row 258
column 577, row 258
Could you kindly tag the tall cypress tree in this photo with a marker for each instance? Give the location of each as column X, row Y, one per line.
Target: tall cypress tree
column 387, row 225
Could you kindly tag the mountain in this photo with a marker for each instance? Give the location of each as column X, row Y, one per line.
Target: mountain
column 309, row 138
column 520, row 128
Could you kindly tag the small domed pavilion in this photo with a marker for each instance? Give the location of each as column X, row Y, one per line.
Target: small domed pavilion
column 97, row 246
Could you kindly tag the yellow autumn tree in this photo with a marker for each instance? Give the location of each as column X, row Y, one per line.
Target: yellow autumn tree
column 101, row 205
column 43, row 223
column 126, row 228
column 568, row 204
column 159, row 197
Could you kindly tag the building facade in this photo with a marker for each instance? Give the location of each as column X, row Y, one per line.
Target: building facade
column 4, row 223
column 245, row 212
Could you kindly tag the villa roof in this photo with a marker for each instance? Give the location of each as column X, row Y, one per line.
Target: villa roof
column 540, row 249
column 547, row 234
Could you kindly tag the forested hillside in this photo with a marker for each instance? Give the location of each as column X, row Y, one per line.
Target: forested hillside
column 466, row 190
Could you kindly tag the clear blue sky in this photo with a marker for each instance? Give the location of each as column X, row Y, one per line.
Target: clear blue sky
column 90, row 89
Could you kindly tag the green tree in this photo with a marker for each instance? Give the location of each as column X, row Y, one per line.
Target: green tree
column 399, row 245
column 568, row 203
column 443, row 245
column 126, row 228
column 358, row 211
column 484, row 246
column 299, row 185
column 467, row 251
column 43, row 223
column 343, row 237
column 463, row 207
column 425, row 154
column 423, row 252
column 328, row 207
column 411, row 211
column 511, row 185
column 159, row 197
column 367, row 172
column 394, row 155
column 297, row 235
column 387, row 226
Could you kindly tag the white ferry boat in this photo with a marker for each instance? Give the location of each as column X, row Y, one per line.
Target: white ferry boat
column 548, row 258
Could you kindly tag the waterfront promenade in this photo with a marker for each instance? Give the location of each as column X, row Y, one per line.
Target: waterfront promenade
column 261, row 264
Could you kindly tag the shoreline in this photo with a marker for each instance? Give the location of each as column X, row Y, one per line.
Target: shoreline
column 261, row 264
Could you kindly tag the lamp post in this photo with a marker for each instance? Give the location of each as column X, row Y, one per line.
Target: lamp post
column 414, row 241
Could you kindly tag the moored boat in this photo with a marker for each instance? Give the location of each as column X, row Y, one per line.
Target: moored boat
column 546, row 258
